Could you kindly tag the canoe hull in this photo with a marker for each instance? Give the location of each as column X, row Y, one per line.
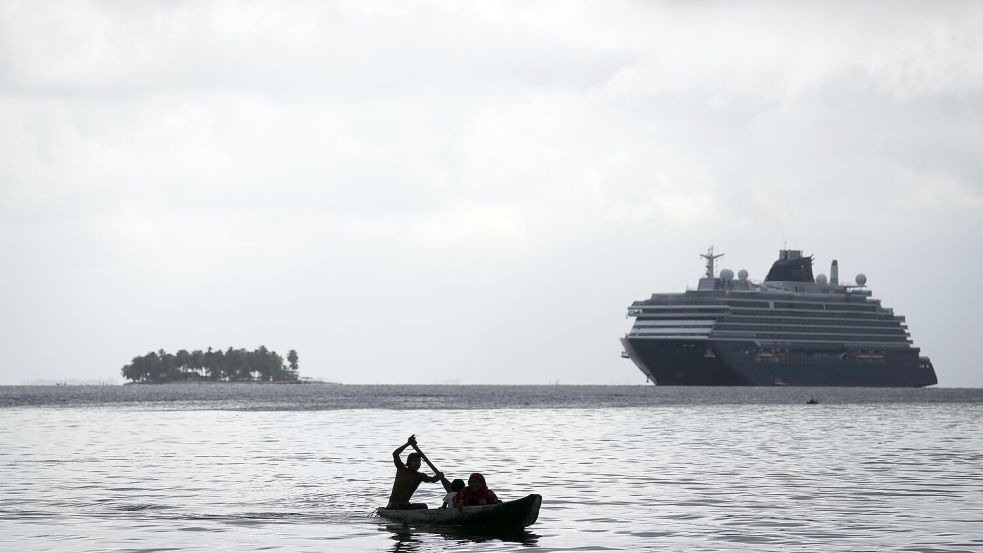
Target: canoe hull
column 510, row 514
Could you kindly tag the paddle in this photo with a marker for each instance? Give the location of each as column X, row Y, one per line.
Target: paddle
column 424, row 457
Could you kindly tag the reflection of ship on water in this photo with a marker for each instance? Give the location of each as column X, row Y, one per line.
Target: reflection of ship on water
column 791, row 329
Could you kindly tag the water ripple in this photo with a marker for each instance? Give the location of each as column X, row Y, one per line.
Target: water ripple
column 756, row 473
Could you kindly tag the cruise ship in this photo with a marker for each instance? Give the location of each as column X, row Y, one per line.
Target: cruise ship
column 792, row 329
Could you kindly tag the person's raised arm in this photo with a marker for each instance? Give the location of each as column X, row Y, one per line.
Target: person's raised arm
column 396, row 460
column 439, row 477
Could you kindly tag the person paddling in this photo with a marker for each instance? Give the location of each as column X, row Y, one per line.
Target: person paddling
column 408, row 478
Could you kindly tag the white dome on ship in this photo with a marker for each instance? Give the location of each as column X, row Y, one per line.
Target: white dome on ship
column 727, row 274
column 742, row 274
column 861, row 279
column 821, row 279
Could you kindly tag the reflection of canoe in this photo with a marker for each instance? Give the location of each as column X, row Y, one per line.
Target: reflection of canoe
column 511, row 514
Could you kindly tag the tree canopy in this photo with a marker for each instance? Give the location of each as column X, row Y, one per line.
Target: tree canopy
column 232, row 365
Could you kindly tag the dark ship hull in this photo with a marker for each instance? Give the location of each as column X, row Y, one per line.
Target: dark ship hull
column 684, row 362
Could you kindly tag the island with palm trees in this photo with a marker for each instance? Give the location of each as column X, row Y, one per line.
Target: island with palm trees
column 231, row 365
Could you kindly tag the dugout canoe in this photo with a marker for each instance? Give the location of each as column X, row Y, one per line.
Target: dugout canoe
column 518, row 513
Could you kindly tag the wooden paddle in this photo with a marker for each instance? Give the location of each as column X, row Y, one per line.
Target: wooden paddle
column 424, row 457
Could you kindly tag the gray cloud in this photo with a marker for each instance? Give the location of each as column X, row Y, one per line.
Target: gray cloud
column 468, row 191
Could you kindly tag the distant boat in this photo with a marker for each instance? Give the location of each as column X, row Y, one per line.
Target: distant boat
column 498, row 516
column 792, row 329
column 812, row 401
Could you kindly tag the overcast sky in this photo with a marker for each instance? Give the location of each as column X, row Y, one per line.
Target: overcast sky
column 430, row 192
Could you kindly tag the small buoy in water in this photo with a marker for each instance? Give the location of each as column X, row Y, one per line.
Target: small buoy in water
column 812, row 401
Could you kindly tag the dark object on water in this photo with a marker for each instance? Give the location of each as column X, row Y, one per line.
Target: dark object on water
column 792, row 329
column 812, row 401
column 510, row 514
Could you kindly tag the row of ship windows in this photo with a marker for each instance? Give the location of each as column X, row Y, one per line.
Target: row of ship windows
column 750, row 329
column 650, row 313
column 811, row 320
column 824, row 306
column 803, row 305
column 786, row 336
column 823, row 331
column 755, row 321
column 805, row 328
column 864, row 307
column 773, row 329
column 830, row 338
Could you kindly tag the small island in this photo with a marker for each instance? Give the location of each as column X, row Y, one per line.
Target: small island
column 231, row 365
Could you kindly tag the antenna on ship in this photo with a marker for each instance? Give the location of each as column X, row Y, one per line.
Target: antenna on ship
column 710, row 258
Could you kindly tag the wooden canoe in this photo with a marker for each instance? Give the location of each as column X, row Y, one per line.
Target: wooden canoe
column 510, row 514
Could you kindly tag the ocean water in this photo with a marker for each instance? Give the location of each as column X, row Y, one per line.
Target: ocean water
column 635, row 468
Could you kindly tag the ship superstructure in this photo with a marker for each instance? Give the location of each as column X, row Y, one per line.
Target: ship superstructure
column 790, row 329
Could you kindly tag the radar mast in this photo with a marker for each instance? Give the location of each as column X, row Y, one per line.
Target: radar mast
column 710, row 259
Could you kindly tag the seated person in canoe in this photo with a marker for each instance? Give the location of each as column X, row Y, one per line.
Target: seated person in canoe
column 476, row 493
column 408, row 478
column 453, row 488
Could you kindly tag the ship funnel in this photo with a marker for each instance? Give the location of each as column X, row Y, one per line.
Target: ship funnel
column 834, row 273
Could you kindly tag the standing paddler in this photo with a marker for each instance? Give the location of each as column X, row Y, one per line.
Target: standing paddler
column 408, row 477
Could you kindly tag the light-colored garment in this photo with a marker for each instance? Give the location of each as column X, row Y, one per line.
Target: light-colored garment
column 449, row 499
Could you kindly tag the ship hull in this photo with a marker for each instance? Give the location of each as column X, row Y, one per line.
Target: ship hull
column 684, row 362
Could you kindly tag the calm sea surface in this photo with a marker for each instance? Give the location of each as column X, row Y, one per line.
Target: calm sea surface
column 302, row 467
